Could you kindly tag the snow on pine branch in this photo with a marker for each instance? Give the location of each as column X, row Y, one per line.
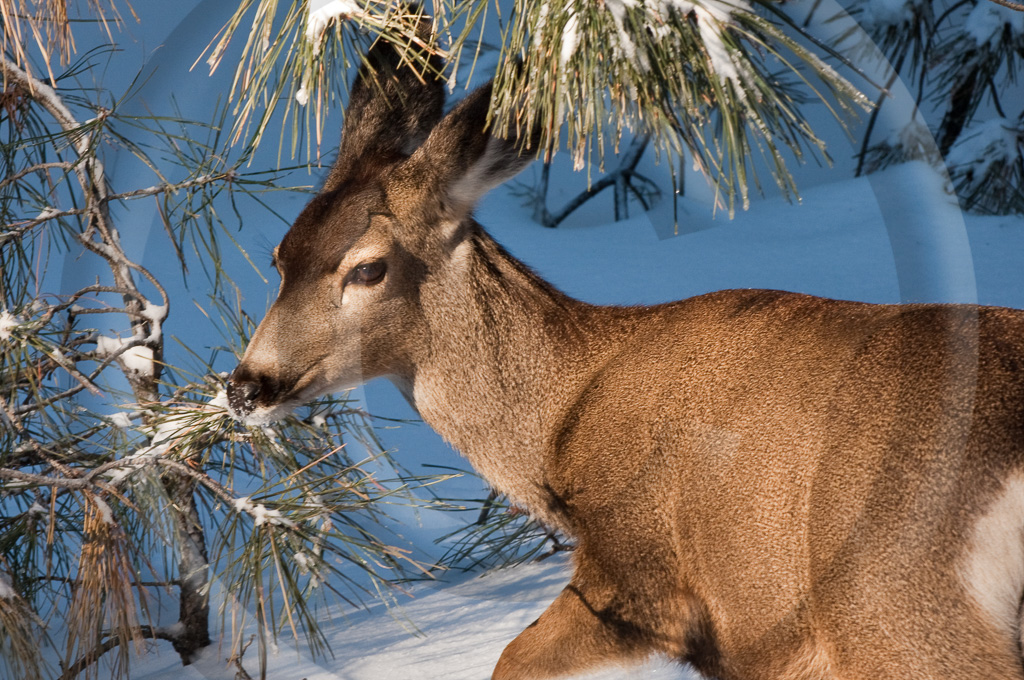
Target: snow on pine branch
column 986, row 166
column 261, row 514
column 135, row 357
column 988, row 23
column 713, row 17
column 320, row 15
column 880, row 14
column 8, row 322
column 984, row 144
column 121, row 420
column 136, row 353
column 106, row 515
column 323, row 12
column 7, row 592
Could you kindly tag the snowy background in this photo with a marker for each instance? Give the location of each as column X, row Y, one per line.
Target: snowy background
column 893, row 236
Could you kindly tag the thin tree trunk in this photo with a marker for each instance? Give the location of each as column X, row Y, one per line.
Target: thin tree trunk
column 193, row 629
column 193, row 568
column 866, row 142
column 540, row 208
column 956, row 117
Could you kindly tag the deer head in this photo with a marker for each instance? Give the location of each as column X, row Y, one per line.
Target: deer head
column 388, row 219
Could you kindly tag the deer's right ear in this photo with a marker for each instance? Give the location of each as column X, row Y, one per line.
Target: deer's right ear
column 461, row 161
column 392, row 107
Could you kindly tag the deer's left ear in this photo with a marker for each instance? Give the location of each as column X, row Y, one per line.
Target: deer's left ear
column 460, row 161
column 392, row 107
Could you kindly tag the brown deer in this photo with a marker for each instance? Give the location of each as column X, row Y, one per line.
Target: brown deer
column 762, row 484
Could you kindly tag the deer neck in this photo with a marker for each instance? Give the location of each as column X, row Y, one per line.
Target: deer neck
column 507, row 354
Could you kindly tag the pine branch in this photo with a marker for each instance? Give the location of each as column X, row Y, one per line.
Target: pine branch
column 21, row 632
column 1012, row 5
column 93, row 183
column 85, row 381
column 16, row 230
column 67, row 580
column 90, row 171
column 38, row 167
column 74, row 670
column 101, row 238
column 664, row 68
column 175, row 187
column 50, row 27
column 193, row 568
column 236, row 659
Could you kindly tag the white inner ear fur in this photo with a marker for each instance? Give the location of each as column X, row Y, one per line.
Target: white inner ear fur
column 483, row 175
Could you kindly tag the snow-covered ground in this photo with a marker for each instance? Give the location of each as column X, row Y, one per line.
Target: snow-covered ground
column 450, row 631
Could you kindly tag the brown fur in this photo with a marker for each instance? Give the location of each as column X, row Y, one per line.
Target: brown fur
column 764, row 484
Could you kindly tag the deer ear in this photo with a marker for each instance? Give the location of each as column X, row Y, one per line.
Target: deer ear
column 461, row 160
column 392, row 107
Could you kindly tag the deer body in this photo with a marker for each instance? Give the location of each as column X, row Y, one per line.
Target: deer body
column 764, row 484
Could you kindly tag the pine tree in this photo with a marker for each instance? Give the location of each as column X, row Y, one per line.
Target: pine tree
column 961, row 56
column 125, row 487
column 716, row 78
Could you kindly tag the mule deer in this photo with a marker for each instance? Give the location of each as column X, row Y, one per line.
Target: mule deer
column 763, row 484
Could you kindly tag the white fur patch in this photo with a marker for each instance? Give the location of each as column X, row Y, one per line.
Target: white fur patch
column 460, row 256
column 488, row 171
column 423, row 395
column 364, row 253
column 263, row 415
column 449, row 229
column 994, row 567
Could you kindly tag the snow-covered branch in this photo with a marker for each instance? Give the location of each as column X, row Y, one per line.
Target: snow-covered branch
column 38, row 167
column 75, row 669
column 93, row 182
column 167, row 187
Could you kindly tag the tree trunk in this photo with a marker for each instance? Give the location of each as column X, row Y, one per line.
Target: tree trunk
column 193, row 568
column 959, row 111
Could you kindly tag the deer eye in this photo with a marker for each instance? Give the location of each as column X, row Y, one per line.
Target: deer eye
column 368, row 273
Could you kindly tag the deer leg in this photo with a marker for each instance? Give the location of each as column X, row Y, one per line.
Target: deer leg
column 582, row 629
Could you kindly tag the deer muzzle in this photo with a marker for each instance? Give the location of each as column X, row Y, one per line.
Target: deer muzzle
column 247, row 391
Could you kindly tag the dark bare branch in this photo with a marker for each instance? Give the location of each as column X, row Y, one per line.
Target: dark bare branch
column 113, row 642
column 1012, row 5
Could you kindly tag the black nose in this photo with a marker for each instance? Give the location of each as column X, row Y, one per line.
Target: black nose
column 242, row 393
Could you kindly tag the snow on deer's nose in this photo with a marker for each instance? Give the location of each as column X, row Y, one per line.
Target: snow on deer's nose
column 246, row 391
